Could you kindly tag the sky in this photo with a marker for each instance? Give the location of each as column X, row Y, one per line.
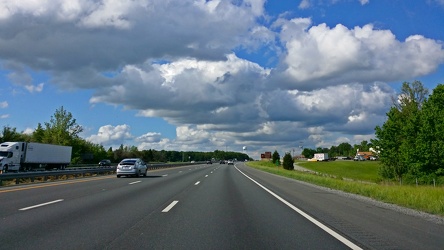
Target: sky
column 199, row 75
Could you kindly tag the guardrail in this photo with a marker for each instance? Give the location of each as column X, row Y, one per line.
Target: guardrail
column 78, row 171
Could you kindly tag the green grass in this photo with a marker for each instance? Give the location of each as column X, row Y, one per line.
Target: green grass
column 422, row 198
column 356, row 170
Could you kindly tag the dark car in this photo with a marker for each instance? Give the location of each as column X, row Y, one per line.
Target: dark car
column 209, row 162
column 105, row 163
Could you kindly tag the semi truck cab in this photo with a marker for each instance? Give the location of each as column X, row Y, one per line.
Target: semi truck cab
column 10, row 156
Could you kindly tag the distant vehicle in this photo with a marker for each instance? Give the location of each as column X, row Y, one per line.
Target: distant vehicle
column 321, row 156
column 222, row 162
column 131, row 167
column 230, row 162
column 19, row 156
column 373, row 158
column 359, row 158
column 105, row 163
column 209, row 162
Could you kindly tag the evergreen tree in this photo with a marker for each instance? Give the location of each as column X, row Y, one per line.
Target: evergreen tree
column 288, row 162
column 38, row 134
column 110, row 154
column 275, row 157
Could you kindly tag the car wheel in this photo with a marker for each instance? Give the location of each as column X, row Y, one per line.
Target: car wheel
column 118, row 176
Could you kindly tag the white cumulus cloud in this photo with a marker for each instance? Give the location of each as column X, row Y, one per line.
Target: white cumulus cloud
column 319, row 56
column 111, row 135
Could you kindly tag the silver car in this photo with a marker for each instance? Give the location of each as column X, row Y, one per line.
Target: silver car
column 131, row 167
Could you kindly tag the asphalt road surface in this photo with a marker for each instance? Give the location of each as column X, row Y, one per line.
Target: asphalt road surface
column 202, row 207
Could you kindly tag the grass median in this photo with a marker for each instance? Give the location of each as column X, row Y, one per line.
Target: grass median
column 362, row 178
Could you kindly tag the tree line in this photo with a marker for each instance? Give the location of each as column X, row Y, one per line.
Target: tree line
column 62, row 129
column 344, row 149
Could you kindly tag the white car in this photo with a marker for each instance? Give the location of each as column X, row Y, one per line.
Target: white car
column 131, row 167
column 359, row 158
column 230, row 162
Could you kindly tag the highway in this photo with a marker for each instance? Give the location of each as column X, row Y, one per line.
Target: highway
column 214, row 206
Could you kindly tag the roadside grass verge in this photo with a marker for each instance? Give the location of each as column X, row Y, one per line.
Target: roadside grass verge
column 422, row 198
column 355, row 170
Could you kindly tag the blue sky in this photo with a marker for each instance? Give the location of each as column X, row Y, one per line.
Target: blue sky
column 216, row 75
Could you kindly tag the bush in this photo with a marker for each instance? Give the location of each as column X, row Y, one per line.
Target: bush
column 288, row 162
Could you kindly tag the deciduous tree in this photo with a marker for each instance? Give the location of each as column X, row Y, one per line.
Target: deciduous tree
column 397, row 137
column 62, row 129
column 430, row 141
column 10, row 134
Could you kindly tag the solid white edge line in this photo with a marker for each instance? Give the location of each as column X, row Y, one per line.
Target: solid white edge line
column 308, row 217
column 131, row 183
column 168, row 208
column 40, row 205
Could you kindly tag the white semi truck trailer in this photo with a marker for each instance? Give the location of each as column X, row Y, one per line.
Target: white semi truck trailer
column 321, row 156
column 21, row 156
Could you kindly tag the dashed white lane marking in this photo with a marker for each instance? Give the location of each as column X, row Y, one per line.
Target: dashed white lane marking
column 131, row 183
column 40, row 205
column 164, row 175
column 168, row 208
column 197, row 183
column 308, row 217
column 206, row 176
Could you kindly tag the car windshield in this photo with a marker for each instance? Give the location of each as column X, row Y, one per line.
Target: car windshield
column 129, row 162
